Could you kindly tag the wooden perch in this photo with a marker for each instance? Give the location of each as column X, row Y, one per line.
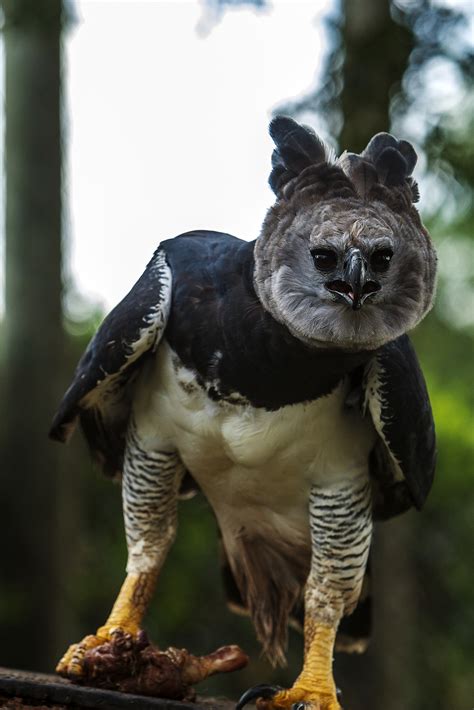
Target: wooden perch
column 22, row 690
column 54, row 692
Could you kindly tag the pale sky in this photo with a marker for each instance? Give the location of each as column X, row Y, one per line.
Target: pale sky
column 167, row 127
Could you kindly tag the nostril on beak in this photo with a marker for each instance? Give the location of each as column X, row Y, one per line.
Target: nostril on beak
column 348, row 292
column 339, row 286
column 370, row 287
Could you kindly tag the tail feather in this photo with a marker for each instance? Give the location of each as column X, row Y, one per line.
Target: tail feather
column 267, row 581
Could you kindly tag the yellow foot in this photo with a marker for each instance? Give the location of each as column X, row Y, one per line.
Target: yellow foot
column 269, row 697
column 71, row 664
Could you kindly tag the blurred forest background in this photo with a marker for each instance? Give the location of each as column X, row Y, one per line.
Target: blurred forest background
column 63, row 551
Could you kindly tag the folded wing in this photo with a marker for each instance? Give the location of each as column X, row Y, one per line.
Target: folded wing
column 101, row 391
column 404, row 458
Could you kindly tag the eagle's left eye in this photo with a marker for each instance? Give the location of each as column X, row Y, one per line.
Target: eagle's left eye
column 380, row 259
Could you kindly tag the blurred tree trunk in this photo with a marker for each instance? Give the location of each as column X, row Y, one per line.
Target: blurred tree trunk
column 33, row 346
column 376, row 53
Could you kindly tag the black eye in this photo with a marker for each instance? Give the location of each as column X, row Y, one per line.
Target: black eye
column 380, row 259
column 324, row 259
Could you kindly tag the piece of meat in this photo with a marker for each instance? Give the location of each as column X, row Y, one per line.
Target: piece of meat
column 133, row 665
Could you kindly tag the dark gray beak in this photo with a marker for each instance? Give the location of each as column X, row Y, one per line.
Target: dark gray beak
column 354, row 275
column 354, row 287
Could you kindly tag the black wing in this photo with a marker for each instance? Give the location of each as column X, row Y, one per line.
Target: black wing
column 100, row 393
column 403, row 461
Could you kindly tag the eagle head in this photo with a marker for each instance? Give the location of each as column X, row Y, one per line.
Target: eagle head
column 343, row 259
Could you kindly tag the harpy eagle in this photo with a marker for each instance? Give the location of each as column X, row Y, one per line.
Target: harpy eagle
column 276, row 373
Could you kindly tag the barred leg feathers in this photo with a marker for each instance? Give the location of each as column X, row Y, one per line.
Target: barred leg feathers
column 341, row 531
column 341, row 527
column 151, row 483
column 150, row 487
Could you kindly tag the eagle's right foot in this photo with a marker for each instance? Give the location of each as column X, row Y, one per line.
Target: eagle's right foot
column 71, row 664
column 125, row 617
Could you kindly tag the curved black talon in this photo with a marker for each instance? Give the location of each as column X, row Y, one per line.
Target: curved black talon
column 258, row 691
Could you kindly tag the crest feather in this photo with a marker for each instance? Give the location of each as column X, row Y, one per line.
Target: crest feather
column 297, row 147
column 385, row 160
column 362, row 173
column 394, row 160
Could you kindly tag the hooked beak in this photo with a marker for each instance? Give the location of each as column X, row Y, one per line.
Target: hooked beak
column 354, row 288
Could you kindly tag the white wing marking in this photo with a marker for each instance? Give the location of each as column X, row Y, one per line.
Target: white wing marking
column 373, row 401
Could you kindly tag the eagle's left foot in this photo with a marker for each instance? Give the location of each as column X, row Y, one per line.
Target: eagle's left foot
column 298, row 697
column 314, row 689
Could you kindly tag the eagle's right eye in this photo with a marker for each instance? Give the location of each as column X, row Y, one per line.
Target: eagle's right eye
column 324, row 259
